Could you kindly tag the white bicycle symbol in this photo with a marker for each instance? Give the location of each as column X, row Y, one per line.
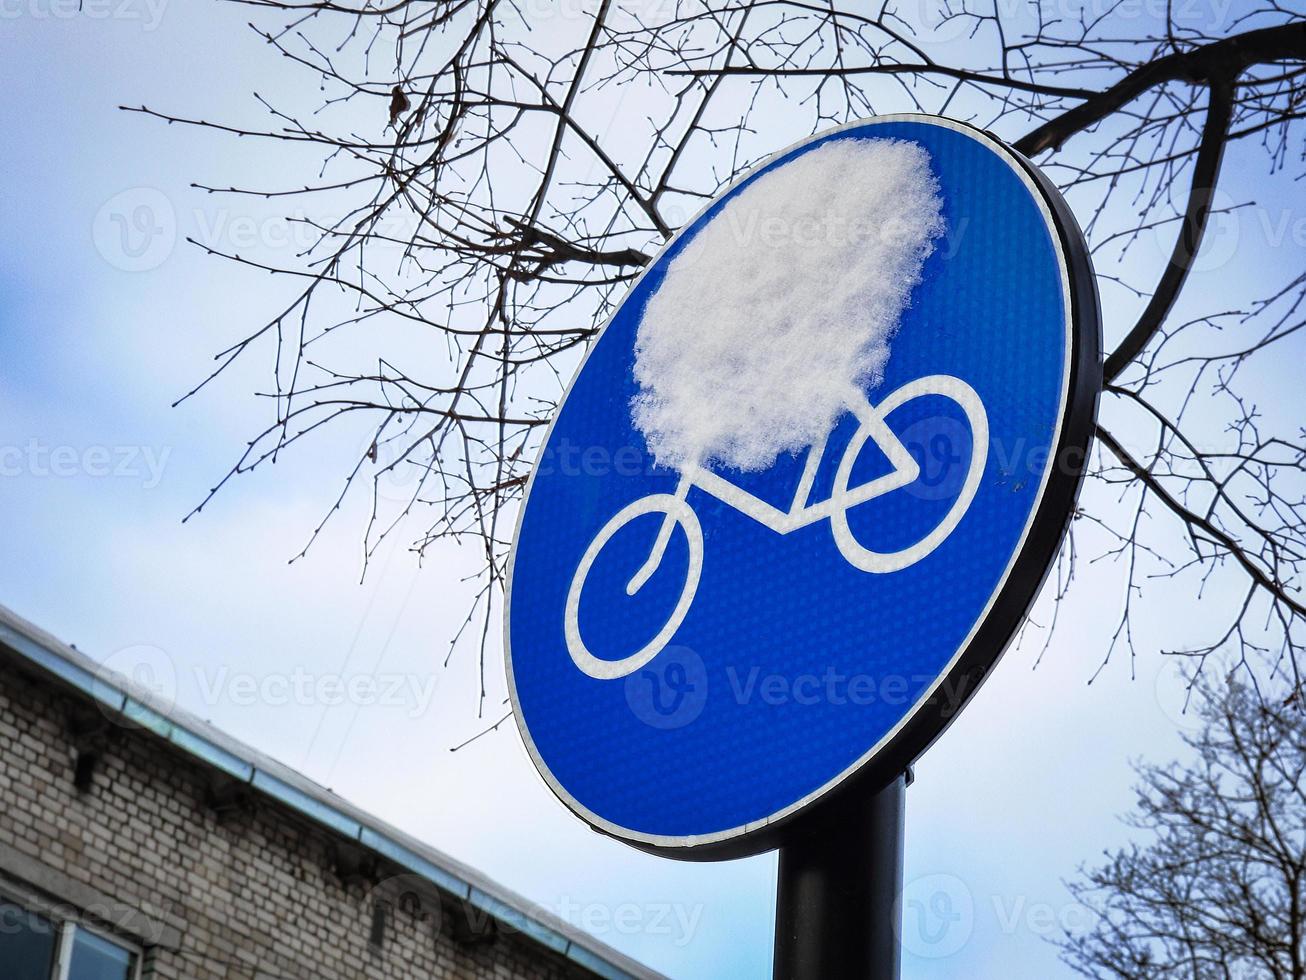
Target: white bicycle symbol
column 676, row 511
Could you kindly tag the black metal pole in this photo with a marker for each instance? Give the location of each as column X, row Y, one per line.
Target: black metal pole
column 837, row 901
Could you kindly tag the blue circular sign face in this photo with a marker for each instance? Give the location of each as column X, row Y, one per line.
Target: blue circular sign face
column 804, row 486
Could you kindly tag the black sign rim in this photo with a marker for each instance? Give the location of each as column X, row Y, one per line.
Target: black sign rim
column 930, row 716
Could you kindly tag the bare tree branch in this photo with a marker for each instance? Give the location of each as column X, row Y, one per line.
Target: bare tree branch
column 481, row 181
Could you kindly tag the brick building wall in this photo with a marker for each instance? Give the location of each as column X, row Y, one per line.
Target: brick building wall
column 210, row 880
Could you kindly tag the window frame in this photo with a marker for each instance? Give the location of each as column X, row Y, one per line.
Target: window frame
column 66, row 920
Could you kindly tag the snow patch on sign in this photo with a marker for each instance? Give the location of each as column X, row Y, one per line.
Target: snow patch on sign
column 781, row 309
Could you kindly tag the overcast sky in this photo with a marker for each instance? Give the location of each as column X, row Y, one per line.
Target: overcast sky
column 107, row 315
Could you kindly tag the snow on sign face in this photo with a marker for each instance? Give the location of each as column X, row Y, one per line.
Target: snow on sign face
column 783, row 307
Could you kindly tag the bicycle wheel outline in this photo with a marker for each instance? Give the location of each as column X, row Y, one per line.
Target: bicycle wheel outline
column 966, row 398
column 683, row 514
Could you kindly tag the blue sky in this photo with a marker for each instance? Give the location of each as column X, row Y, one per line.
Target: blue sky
column 96, row 342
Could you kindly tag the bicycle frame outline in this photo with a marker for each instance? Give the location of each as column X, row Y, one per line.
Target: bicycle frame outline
column 674, row 508
column 799, row 515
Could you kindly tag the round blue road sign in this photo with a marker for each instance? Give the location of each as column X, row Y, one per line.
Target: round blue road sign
column 804, row 487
